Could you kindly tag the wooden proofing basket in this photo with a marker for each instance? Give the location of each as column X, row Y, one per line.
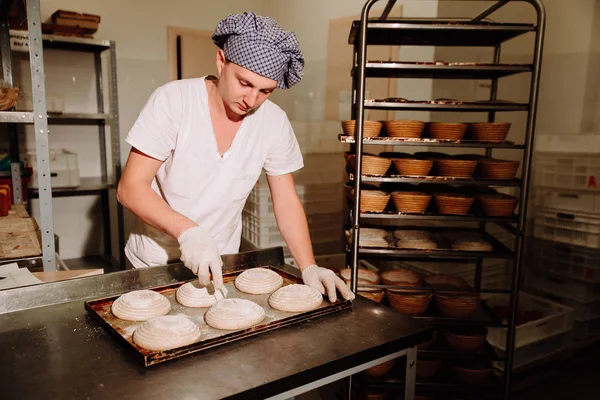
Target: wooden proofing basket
column 446, row 130
column 8, row 98
column 411, row 303
column 373, row 200
column 453, row 204
column 497, row 169
column 411, row 202
column 455, row 168
column 371, row 165
column 371, row 128
column 404, row 128
column 489, row 131
column 497, row 204
column 412, row 166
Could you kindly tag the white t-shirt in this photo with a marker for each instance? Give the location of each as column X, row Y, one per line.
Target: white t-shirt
column 211, row 190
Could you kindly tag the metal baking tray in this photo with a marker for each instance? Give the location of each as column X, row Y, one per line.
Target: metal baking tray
column 100, row 310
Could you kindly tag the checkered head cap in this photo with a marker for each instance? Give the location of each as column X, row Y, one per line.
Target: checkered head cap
column 259, row 44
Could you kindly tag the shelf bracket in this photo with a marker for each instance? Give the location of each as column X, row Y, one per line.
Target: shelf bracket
column 492, row 9
column 387, row 10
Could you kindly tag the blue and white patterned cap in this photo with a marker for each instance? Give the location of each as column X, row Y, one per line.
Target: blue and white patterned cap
column 260, row 45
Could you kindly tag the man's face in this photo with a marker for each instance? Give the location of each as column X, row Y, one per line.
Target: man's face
column 242, row 90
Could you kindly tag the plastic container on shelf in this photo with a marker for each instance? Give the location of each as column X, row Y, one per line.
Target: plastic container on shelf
column 567, row 171
column 540, row 319
column 584, row 143
column 566, row 226
column 64, row 169
column 583, row 311
column 568, row 200
column 568, row 261
column 569, row 288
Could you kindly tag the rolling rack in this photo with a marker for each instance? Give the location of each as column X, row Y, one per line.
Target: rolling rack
column 475, row 32
column 36, row 43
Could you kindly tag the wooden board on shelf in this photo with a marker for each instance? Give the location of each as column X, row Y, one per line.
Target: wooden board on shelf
column 19, row 234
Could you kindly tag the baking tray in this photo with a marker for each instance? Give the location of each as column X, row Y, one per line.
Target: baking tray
column 100, row 310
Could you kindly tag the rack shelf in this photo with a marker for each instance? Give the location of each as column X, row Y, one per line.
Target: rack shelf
column 374, row 104
column 20, row 42
column 26, row 117
column 439, row 32
column 390, row 141
column 87, row 187
column 392, row 215
column 437, row 180
column 388, row 69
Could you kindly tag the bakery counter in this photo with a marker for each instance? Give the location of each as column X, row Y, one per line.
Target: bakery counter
column 53, row 349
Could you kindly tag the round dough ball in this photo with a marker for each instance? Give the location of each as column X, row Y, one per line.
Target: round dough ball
column 258, row 281
column 296, row 298
column 191, row 294
column 166, row 333
column 140, row 305
column 231, row 314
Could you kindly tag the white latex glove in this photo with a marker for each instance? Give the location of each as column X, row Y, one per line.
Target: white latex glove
column 324, row 279
column 200, row 254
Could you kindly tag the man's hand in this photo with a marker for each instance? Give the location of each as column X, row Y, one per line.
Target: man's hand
column 323, row 280
column 200, row 254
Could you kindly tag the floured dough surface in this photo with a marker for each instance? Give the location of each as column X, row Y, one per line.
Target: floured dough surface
column 410, row 234
column 363, row 275
column 191, row 294
column 140, row 305
column 258, row 281
column 372, row 242
column 166, row 332
column 419, row 244
column 231, row 314
column 296, row 298
column 472, row 245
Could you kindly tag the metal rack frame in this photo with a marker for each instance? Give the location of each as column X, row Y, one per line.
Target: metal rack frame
column 37, row 43
column 446, row 32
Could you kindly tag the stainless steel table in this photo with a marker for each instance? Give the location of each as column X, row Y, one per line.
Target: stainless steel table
column 58, row 352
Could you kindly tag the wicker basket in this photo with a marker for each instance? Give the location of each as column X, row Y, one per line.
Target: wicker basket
column 427, row 368
column 377, row 295
column 497, row 204
column 412, row 166
column 373, row 394
column 497, row 169
column 455, row 168
column 474, row 373
column 411, row 202
column 453, row 204
column 489, row 131
column 371, row 128
column 446, row 130
column 8, row 98
column 381, row 369
column 411, row 303
column 373, row 200
column 400, row 277
column 371, row 277
column 457, row 305
column 349, row 189
column 371, row 165
column 465, row 340
column 404, row 128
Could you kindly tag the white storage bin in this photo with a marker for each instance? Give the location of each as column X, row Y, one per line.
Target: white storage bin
column 574, row 262
column 556, row 319
column 569, row 288
column 565, row 226
column 568, row 200
column 536, row 351
column 583, row 311
column 585, row 143
column 567, row 171
column 64, row 169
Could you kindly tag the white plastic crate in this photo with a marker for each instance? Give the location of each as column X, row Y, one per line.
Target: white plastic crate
column 567, row 171
column 536, row 351
column 316, row 199
column 263, row 232
column 574, row 262
column 569, row 288
column 556, row 319
column 64, row 169
column 583, row 311
column 586, row 329
column 568, row 200
column 579, row 229
column 576, row 142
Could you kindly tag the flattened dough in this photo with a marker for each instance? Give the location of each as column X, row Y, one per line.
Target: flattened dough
column 191, row 294
column 140, row 305
column 296, row 298
column 231, row 314
column 166, row 332
column 258, row 281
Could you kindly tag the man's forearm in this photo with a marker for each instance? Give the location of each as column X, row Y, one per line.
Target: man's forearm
column 292, row 224
column 153, row 210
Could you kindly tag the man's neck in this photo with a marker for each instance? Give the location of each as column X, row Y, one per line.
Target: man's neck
column 218, row 105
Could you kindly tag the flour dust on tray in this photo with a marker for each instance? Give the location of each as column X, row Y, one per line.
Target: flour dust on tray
column 231, row 314
column 166, row 332
column 296, row 298
column 140, row 305
column 258, row 281
column 192, row 294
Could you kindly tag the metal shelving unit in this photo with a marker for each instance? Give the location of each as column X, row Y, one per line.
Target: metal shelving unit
column 459, row 32
column 36, row 43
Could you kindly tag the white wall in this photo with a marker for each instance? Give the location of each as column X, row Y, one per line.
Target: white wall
column 140, row 31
